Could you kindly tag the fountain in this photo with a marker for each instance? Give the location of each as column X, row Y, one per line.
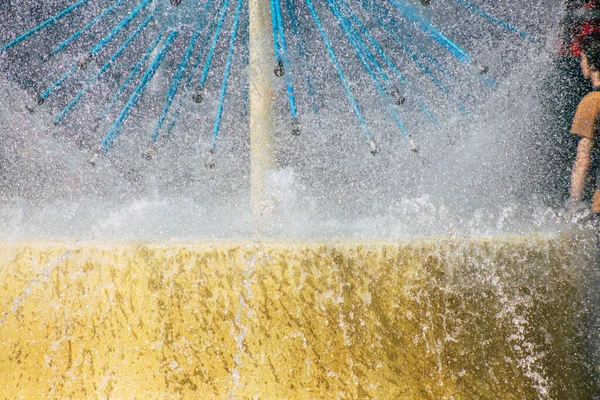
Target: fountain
column 366, row 236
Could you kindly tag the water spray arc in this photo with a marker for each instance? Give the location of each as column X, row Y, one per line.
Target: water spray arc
column 85, row 28
column 393, row 30
column 342, row 77
column 174, row 87
column 291, row 12
column 111, row 61
column 283, row 64
column 209, row 28
column 230, row 52
column 506, row 25
column 204, row 23
column 199, row 92
column 117, row 29
column 368, row 60
column 396, row 93
column 52, row 20
column 138, row 92
column 134, row 71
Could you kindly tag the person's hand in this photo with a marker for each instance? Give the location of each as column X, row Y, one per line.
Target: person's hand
column 576, row 212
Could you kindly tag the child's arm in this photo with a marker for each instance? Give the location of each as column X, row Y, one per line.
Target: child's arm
column 584, row 124
column 580, row 169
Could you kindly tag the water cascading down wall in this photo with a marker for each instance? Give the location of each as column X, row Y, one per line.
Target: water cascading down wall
column 499, row 318
column 490, row 318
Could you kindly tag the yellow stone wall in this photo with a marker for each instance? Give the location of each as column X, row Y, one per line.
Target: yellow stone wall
column 502, row 318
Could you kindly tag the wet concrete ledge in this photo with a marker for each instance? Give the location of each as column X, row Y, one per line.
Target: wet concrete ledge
column 490, row 318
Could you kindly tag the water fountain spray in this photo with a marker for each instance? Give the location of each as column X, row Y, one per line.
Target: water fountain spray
column 399, row 19
column 146, row 37
column 373, row 316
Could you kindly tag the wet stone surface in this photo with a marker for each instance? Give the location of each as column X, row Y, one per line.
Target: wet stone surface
column 480, row 319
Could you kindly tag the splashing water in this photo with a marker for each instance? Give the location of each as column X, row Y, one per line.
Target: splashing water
column 471, row 176
column 458, row 154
